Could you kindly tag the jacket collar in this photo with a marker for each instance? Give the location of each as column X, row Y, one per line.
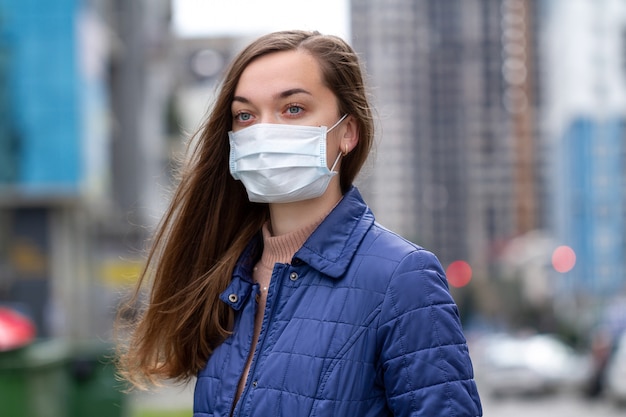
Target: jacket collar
column 333, row 244
column 248, row 258
column 330, row 247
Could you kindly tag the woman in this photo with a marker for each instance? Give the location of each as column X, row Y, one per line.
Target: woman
column 271, row 281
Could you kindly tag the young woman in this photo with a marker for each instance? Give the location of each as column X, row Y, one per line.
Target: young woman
column 272, row 283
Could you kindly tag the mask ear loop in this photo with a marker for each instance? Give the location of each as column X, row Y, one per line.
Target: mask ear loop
column 340, row 154
column 338, row 121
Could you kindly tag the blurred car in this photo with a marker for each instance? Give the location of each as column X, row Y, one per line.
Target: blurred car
column 615, row 379
column 539, row 364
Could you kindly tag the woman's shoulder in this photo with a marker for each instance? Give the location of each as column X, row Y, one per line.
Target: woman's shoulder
column 387, row 254
column 390, row 244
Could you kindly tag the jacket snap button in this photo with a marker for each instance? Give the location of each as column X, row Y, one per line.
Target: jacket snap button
column 293, row 276
column 254, row 384
column 233, row 298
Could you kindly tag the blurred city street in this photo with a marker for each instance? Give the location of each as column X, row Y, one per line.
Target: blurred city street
column 564, row 405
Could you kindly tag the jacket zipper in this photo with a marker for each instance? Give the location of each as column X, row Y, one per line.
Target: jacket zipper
column 267, row 313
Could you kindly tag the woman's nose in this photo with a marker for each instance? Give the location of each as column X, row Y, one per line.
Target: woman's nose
column 268, row 118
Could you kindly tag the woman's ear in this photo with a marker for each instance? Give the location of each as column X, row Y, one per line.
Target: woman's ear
column 350, row 136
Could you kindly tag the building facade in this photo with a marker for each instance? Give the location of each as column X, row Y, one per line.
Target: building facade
column 585, row 117
column 83, row 92
column 456, row 89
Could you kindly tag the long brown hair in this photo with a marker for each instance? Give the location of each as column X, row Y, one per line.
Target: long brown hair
column 210, row 221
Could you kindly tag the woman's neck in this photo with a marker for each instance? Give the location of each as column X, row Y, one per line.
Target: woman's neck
column 289, row 217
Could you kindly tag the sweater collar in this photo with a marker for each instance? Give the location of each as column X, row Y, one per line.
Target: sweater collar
column 280, row 249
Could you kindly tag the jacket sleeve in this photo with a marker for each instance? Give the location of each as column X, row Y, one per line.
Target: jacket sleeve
column 424, row 359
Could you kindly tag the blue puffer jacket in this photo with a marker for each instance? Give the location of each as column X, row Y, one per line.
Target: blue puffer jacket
column 360, row 324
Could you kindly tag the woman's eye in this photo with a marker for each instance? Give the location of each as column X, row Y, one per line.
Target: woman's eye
column 294, row 109
column 243, row 117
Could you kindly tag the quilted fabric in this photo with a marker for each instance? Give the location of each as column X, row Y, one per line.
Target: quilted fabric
column 361, row 323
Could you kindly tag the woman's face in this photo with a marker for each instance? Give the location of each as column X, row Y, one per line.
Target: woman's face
column 286, row 88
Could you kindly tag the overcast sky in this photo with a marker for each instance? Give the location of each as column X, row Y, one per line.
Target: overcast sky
column 254, row 17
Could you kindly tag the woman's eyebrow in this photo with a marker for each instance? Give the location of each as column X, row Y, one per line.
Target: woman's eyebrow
column 293, row 91
column 241, row 99
column 283, row 94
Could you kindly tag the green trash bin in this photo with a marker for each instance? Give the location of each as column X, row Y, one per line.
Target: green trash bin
column 94, row 389
column 34, row 381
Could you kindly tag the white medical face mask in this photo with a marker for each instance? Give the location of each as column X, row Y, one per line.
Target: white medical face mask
column 280, row 163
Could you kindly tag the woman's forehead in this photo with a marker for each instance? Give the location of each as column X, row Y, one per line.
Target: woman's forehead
column 280, row 71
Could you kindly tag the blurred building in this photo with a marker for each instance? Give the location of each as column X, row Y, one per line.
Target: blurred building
column 585, row 125
column 83, row 86
column 53, row 142
column 456, row 87
column 141, row 80
column 497, row 118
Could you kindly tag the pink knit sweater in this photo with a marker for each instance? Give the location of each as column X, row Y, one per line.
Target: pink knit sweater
column 280, row 249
